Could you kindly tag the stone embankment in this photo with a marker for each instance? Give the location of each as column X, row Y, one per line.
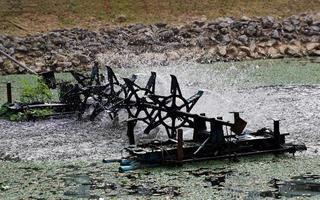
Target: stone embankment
column 223, row 39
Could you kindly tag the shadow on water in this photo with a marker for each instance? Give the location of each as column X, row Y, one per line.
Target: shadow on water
column 299, row 186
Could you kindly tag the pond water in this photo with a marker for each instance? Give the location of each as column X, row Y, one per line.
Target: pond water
column 285, row 89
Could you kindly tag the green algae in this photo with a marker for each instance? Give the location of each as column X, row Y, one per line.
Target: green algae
column 246, row 179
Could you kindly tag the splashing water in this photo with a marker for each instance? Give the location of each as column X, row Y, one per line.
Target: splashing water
column 262, row 90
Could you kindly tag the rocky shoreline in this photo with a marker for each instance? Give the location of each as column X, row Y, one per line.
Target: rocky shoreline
column 223, row 39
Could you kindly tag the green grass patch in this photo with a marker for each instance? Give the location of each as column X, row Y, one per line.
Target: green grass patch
column 67, row 13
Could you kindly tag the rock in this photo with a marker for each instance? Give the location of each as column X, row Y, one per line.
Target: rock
column 212, row 51
column 307, row 19
column 9, row 68
column 58, row 41
column 160, row 25
column 268, row 22
column 252, row 46
column 121, row 18
column 312, row 46
column 289, row 36
column 262, row 44
column 224, row 39
column 315, row 29
column 251, row 30
column 245, row 18
column 315, row 52
column 261, row 51
column 294, row 20
column 275, row 34
column 281, row 48
column 246, row 50
column 273, row 53
column 199, row 23
column 39, row 64
column 1, row 61
column 293, row 51
column 232, row 51
column 82, row 58
column 22, row 49
column 222, row 50
column 75, row 61
column 242, row 55
column 288, row 27
column 140, row 40
column 203, row 41
column 137, row 27
column 243, row 39
column 64, row 65
column 166, row 36
column 223, row 25
column 172, row 56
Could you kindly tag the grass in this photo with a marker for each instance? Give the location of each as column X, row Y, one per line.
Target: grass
column 29, row 16
column 18, row 81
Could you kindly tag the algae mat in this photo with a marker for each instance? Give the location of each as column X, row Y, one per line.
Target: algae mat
column 245, row 178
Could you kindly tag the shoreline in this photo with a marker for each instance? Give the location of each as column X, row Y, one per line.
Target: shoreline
column 160, row 44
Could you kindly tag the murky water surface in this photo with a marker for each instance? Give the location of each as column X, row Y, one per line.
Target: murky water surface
column 284, row 89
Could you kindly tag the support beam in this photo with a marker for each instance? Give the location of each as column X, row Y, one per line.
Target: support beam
column 130, row 131
column 180, row 147
column 276, row 132
column 9, row 93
